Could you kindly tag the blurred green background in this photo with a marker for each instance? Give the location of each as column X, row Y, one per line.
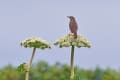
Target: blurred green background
column 44, row 71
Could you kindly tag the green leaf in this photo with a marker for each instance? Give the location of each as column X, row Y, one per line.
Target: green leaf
column 21, row 67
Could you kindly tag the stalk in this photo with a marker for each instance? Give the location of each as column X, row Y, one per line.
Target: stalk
column 72, row 63
column 29, row 65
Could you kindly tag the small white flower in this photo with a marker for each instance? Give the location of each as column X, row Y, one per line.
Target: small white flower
column 35, row 42
column 68, row 40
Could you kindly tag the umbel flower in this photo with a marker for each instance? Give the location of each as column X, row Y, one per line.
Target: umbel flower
column 68, row 40
column 35, row 42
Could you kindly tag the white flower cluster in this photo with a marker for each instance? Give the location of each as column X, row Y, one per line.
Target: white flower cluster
column 35, row 42
column 68, row 40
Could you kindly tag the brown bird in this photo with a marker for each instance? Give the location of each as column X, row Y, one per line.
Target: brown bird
column 73, row 26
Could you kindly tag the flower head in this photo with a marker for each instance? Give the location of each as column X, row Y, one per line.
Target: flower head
column 68, row 40
column 35, row 42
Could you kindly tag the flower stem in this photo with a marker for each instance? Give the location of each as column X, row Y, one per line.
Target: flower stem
column 72, row 63
column 29, row 65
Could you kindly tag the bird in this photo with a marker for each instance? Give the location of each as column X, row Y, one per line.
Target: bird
column 73, row 26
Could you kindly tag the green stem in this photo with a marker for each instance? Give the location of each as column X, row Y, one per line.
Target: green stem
column 72, row 63
column 31, row 59
column 27, row 75
column 29, row 65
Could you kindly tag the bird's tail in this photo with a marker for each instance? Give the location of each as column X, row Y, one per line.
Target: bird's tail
column 75, row 35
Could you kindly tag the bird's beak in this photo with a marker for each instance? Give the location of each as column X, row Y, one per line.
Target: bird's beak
column 68, row 16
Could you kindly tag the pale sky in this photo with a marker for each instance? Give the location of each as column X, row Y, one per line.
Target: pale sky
column 98, row 21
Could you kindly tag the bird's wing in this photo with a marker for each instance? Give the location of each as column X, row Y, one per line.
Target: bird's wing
column 73, row 27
